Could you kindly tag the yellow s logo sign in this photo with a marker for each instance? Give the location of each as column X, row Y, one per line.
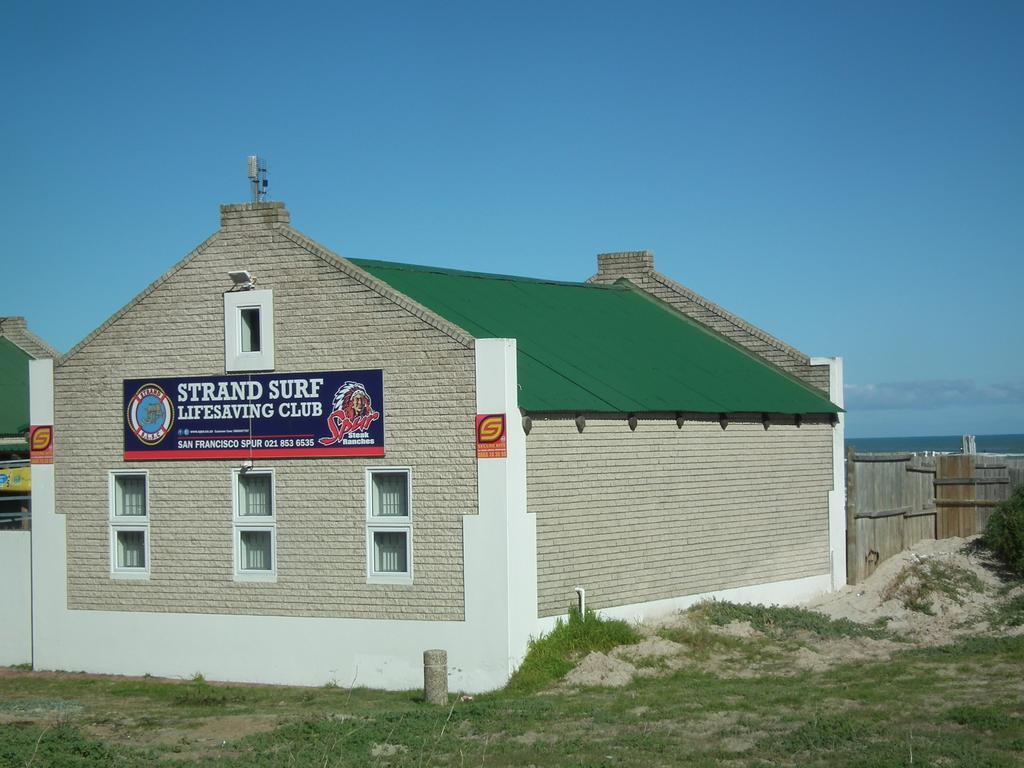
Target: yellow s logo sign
column 490, row 429
column 41, row 438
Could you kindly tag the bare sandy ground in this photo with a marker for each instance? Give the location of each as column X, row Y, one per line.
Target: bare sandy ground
column 871, row 602
column 866, row 603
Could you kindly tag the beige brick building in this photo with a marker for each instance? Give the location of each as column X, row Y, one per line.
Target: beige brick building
column 364, row 460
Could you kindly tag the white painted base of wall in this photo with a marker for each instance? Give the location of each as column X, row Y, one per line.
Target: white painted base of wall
column 790, row 592
column 15, row 598
column 256, row 649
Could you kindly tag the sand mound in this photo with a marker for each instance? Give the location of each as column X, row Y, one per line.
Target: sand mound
column 878, row 597
column 902, row 591
column 651, row 647
column 741, row 629
column 825, row 654
column 601, row 669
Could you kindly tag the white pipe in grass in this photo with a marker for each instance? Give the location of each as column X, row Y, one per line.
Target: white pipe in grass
column 581, row 593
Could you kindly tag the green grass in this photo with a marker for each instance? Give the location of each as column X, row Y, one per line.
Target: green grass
column 782, row 621
column 958, row 705
column 780, row 631
column 1009, row 648
column 918, row 584
column 199, row 693
column 822, row 733
column 701, row 643
column 553, row 656
column 1008, row 612
column 63, row 746
column 982, row 718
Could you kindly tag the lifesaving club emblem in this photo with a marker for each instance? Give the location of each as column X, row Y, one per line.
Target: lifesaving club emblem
column 150, row 414
column 351, row 411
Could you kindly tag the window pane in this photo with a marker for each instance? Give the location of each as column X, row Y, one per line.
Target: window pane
column 130, row 495
column 256, row 554
column 390, row 495
column 254, row 495
column 250, row 327
column 389, row 552
column 131, row 549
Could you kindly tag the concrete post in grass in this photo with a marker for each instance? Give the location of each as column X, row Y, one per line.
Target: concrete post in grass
column 435, row 676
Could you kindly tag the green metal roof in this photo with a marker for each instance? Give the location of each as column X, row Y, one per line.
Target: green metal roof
column 603, row 348
column 13, row 388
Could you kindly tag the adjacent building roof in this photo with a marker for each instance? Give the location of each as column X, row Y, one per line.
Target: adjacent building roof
column 13, row 389
column 15, row 330
column 603, row 348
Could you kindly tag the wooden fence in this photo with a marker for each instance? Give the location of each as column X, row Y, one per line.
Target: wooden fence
column 894, row 500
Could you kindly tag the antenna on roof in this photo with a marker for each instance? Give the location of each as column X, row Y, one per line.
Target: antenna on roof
column 258, row 178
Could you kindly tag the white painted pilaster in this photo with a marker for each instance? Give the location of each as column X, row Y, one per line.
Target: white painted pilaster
column 837, row 496
column 501, row 576
column 49, row 573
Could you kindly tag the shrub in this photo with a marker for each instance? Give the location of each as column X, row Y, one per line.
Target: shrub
column 199, row 693
column 553, row 656
column 1008, row 612
column 918, row 584
column 781, row 620
column 1004, row 534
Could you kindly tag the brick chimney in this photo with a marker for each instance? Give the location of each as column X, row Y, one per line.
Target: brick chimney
column 15, row 330
column 12, row 323
column 628, row 264
column 253, row 214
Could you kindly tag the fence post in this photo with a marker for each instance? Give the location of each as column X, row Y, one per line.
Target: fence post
column 435, row 676
column 852, row 566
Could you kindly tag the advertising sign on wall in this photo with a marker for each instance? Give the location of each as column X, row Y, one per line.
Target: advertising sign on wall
column 491, row 439
column 40, row 443
column 271, row 415
column 15, row 480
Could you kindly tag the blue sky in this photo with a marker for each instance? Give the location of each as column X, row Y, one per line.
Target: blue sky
column 848, row 176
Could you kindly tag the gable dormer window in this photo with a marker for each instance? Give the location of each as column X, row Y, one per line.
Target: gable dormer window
column 249, row 331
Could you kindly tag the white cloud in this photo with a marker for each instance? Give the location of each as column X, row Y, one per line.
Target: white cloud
column 929, row 395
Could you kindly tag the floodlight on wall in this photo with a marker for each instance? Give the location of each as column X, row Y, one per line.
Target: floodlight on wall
column 242, row 279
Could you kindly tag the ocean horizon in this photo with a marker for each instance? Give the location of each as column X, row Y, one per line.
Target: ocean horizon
column 1002, row 444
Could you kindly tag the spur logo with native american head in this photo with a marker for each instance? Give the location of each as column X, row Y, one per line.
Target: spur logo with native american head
column 351, row 411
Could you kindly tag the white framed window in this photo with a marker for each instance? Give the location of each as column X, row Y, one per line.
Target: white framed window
column 129, row 524
column 255, row 526
column 389, row 525
column 249, row 331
